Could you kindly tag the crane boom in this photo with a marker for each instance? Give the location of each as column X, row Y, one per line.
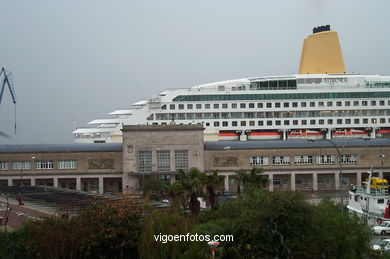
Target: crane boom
column 7, row 81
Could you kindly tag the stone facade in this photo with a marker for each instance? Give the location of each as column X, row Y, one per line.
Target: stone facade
column 153, row 140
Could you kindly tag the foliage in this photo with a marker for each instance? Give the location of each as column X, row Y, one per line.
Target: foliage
column 166, row 222
column 282, row 225
column 252, row 180
column 106, row 229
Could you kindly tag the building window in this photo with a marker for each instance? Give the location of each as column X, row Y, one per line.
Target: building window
column 325, row 159
column 234, row 105
column 381, row 103
column 303, row 104
column 181, row 160
column 44, row 165
column 338, row 104
column 207, row 106
column 365, row 121
column 294, row 104
column 216, row 123
column 277, row 123
column 251, row 123
column 330, row 121
column 163, row 161
column 171, row 106
column 224, row 124
column 312, row 122
column 277, row 105
column 190, row 106
column 348, row 159
column 269, row 105
column 259, row 160
column 276, row 181
column 269, row 123
column 251, row 105
column 242, row 105
column 224, row 106
column 286, row 105
column 286, row 122
column 312, row 104
column 329, row 104
column 198, row 106
column 3, row 165
column 145, row 161
column 355, row 103
column 165, row 178
column 364, row 103
column 347, row 103
column 216, row 105
column 234, row 123
column 321, row 122
column 356, row 121
column 339, row 121
column 260, row 123
column 303, row 160
column 67, row 164
column 304, row 122
column 373, row 103
column 243, row 123
column 259, row 105
column 19, row 165
column 281, row 160
column 181, row 106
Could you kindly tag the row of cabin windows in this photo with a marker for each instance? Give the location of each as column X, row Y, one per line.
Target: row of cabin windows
column 191, row 106
column 294, row 122
column 48, row 164
column 269, row 115
column 284, row 96
column 302, row 160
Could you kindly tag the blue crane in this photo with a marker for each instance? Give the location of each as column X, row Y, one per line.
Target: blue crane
column 7, row 81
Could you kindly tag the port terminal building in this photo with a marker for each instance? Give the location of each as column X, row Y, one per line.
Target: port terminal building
column 161, row 150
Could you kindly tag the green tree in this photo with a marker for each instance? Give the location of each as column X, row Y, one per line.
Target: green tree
column 211, row 181
column 254, row 179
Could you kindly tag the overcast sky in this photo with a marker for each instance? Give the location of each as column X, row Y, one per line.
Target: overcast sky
column 81, row 59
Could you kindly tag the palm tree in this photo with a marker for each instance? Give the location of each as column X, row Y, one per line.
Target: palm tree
column 211, row 182
column 250, row 180
column 192, row 186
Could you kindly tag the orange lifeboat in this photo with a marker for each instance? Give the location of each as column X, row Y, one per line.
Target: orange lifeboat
column 256, row 135
column 228, row 136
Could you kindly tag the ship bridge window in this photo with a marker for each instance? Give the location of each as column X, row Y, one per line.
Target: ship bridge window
column 221, row 88
column 273, row 84
column 292, row 84
column 264, row 85
column 381, row 201
column 282, row 84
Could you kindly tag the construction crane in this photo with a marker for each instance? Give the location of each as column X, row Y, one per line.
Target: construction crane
column 6, row 80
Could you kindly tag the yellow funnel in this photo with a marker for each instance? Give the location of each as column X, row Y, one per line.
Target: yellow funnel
column 321, row 53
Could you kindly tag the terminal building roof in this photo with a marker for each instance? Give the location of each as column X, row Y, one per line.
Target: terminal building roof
column 74, row 147
column 268, row 144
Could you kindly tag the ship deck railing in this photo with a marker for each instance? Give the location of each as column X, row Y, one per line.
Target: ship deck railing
column 374, row 192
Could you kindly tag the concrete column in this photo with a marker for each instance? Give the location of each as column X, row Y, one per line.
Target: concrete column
column 55, row 181
column 373, row 132
column 284, row 134
column 173, row 179
column 78, row 183
column 337, row 180
column 154, row 161
column 101, row 185
column 33, row 181
column 315, row 182
column 10, row 182
column 359, row 179
column 271, row 182
column 292, row 180
column 226, row 183
column 329, row 134
column 381, row 173
column 172, row 161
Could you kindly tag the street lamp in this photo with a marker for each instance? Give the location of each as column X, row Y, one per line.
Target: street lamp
column 381, row 156
column 341, row 187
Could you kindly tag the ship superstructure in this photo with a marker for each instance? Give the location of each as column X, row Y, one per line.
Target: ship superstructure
column 322, row 101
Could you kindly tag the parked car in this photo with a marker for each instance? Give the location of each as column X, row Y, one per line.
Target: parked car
column 382, row 246
column 382, row 228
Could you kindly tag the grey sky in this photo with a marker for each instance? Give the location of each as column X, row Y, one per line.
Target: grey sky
column 83, row 59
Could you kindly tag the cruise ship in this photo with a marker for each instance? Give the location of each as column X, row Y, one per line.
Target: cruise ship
column 321, row 101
